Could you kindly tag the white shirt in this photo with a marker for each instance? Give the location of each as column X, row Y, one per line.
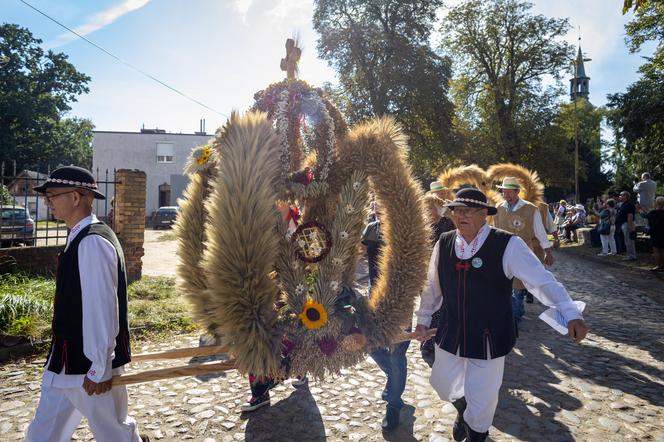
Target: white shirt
column 538, row 224
column 98, row 266
column 518, row 262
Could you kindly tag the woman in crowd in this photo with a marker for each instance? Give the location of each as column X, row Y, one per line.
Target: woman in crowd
column 607, row 228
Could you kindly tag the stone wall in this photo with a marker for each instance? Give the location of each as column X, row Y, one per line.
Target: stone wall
column 33, row 260
column 130, row 194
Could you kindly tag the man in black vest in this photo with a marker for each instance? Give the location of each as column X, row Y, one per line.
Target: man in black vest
column 90, row 332
column 470, row 280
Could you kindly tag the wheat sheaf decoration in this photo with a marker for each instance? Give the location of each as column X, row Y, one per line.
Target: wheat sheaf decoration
column 269, row 230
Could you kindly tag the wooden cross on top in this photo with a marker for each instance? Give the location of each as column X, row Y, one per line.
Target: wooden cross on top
column 289, row 64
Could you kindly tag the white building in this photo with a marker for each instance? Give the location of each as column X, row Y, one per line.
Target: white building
column 162, row 156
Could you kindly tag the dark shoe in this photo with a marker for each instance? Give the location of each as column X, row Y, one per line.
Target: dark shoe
column 474, row 436
column 391, row 419
column 529, row 298
column 459, row 429
column 256, row 402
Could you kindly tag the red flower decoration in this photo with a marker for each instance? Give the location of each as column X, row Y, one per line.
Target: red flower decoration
column 327, row 345
column 304, row 177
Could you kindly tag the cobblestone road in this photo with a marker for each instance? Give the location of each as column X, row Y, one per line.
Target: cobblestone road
column 609, row 389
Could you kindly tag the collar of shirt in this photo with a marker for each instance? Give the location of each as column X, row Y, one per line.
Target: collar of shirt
column 80, row 225
column 461, row 244
column 513, row 208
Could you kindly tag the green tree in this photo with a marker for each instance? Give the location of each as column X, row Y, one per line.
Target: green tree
column 648, row 25
column 638, row 120
column 381, row 52
column 36, row 89
column 585, row 119
column 5, row 196
column 503, row 52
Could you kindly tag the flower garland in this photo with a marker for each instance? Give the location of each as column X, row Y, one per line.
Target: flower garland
column 287, row 103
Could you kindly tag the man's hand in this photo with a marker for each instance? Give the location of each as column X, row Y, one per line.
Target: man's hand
column 421, row 331
column 577, row 330
column 96, row 388
column 548, row 257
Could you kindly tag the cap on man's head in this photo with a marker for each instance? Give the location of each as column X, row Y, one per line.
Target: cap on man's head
column 471, row 197
column 71, row 176
column 436, row 186
column 510, row 182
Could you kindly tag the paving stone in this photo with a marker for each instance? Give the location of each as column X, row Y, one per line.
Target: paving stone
column 607, row 389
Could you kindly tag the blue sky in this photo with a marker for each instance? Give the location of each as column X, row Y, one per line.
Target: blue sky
column 222, row 52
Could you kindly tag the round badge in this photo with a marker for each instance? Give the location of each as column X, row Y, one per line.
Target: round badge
column 477, row 262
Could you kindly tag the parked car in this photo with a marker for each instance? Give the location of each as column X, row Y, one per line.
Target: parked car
column 164, row 217
column 16, row 226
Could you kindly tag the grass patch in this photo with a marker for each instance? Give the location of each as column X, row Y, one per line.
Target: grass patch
column 26, row 305
column 154, row 306
column 167, row 236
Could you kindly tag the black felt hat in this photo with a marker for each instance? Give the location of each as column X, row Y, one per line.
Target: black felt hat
column 471, row 197
column 71, row 176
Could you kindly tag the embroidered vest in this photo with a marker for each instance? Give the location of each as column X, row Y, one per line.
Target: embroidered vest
column 520, row 223
column 67, row 340
column 476, row 318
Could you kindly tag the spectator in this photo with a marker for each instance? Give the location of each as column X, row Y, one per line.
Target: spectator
column 655, row 219
column 560, row 216
column 607, row 228
column 625, row 222
column 646, row 190
column 577, row 221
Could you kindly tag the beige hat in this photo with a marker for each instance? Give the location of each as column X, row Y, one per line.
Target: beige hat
column 436, row 186
column 510, row 182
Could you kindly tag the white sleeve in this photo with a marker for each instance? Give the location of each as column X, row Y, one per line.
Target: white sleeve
column 540, row 231
column 550, row 225
column 98, row 265
column 520, row 262
column 431, row 297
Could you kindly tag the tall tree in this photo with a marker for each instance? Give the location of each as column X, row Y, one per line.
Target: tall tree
column 36, row 90
column 381, row 52
column 582, row 119
column 503, row 52
column 637, row 115
column 648, row 25
column 638, row 120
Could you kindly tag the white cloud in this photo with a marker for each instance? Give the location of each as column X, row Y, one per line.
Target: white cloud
column 242, row 7
column 99, row 20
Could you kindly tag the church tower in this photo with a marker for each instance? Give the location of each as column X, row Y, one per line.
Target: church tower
column 579, row 86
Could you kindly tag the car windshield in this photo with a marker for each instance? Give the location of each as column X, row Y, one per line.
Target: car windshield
column 10, row 214
column 166, row 211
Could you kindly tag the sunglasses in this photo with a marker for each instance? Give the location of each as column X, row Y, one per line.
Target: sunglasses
column 50, row 198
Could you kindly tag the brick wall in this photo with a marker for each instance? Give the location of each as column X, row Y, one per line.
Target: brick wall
column 130, row 194
column 34, row 260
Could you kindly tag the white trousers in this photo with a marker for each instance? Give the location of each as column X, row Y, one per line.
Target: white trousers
column 609, row 241
column 60, row 411
column 478, row 380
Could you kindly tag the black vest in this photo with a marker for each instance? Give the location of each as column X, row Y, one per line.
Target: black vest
column 67, row 340
column 476, row 314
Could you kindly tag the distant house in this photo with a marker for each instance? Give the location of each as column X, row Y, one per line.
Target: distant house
column 21, row 190
column 162, row 156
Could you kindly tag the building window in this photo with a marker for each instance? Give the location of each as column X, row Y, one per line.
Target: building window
column 164, row 153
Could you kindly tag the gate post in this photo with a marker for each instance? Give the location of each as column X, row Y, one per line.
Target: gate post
column 130, row 195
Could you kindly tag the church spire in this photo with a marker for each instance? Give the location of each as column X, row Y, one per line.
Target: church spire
column 579, row 85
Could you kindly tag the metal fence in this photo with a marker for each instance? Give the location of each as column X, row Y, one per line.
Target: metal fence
column 26, row 219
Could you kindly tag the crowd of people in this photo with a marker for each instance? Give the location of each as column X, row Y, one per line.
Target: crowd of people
column 618, row 217
column 479, row 278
